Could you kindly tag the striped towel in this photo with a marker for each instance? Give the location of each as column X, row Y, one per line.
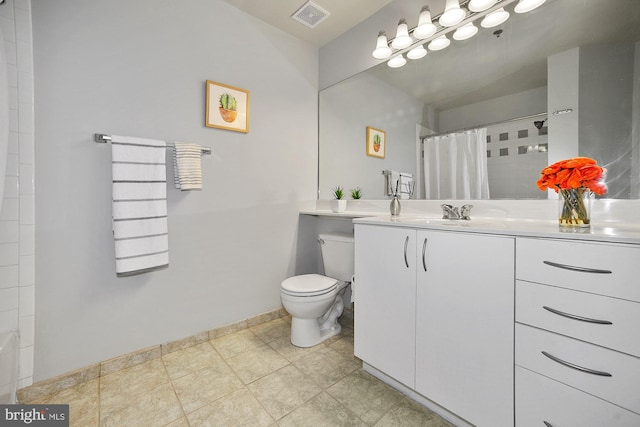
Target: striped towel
column 187, row 166
column 139, row 205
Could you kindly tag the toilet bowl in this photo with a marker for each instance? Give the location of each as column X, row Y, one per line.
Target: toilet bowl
column 314, row 301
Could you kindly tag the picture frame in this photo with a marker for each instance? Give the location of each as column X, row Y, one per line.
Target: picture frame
column 376, row 142
column 227, row 107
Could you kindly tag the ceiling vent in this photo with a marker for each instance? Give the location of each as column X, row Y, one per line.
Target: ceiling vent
column 310, row 14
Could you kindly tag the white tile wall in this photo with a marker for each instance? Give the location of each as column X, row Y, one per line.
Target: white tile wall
column 17, row 225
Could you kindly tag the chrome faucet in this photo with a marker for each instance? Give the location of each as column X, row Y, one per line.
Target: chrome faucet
column 451, row 212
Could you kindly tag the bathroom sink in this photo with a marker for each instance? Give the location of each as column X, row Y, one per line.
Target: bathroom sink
column 446, row 222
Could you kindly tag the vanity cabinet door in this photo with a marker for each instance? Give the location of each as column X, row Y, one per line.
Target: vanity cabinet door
column 385, row 299
column 465, row 325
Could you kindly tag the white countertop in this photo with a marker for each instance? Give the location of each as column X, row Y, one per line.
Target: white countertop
column 614, row 232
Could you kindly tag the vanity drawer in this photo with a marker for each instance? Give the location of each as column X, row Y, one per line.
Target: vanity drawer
column 600, row 268
column 593, row 310
column 620, row 388
column 540, row 399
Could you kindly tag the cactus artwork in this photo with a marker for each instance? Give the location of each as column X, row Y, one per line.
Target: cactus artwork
column 376, row 143
column 228, row 105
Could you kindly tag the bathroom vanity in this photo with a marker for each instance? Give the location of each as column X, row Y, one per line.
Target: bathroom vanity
column 502, row 322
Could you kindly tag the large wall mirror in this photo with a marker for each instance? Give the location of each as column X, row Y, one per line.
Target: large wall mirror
column 559, row 82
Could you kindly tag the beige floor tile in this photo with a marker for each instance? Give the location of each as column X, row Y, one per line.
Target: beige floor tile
column 272, row 330
column 236, row 343
column 206, row 385
column 118, row 387
column 153, row 408
column 321, row 411
column 344, row 346
column 237, row 409
column 326, row 366
column 368, row 397
column 189, row 360
column 83, row 403
column 181, row 422
column 411, row 414
column 257, row 363
column 289, row 351
column 283, row 390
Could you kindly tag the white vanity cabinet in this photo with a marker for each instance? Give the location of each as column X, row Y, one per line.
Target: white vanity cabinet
column 577, row 349
column 434, row 311
column 464, row 324
column 385, row 292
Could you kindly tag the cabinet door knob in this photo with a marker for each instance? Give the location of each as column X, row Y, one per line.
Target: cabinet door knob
column 406, row 244
column 575, row 268
column 576, row 317
column 424, row 254
column 577, row 367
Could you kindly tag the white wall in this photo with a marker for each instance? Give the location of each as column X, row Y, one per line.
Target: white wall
column 347, row 109
column 139, row 68
column 17, row 213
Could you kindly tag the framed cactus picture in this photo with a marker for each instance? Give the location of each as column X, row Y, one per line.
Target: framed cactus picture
column 227, row 107
column 376, row 142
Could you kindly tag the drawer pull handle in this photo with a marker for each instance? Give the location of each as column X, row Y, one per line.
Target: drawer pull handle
column 577, row 367
column 424, row 249
column 547, row 424
column 406, row 243
column 574, row 268
column 576, row 317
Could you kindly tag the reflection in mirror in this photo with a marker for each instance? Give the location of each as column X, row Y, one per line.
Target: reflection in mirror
column 559, row 82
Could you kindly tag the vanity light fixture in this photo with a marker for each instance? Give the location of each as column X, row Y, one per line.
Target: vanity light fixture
column 382, row 51
column 480, row 5
column 439, row 43
column 465, row 32
column 495, row 18
column 396, row 61
column 459, row 15
column 527, row 5
column 402, row 38
column 417, row 52
column 453, row 14
column 425, row 27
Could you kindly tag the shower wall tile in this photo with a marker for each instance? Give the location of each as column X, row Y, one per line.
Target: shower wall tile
column 23, row 4
column 13, row 98
column 27, row 145
column 12, row 165
column 9, row 277
column 27, row 299
column 9, row 254
column 13, row 143
column 12, row 75
column 8, row 232
column 9, row 299
column 26, row 327
column 11, row 187
column 10, row 210
column 8, row 27
column 25, row 356
column 27, row 209
column 27, row 240
column 27, row 270
column 9, row 319
column 27, row 185
column 10, row 50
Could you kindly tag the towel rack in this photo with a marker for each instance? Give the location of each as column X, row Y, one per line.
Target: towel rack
column 100, row 137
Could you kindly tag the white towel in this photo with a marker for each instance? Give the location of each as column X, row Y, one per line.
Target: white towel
column 140, row 226
column 187, row 166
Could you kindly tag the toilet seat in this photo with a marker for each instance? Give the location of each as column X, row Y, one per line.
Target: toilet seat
column 309, row 285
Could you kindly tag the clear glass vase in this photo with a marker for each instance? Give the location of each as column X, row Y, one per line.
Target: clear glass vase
column 574, row 209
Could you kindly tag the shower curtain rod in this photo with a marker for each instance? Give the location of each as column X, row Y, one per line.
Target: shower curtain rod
column 100, row 137
column 422, row 138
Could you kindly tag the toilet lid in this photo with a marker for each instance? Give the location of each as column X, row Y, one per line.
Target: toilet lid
column 309, row 284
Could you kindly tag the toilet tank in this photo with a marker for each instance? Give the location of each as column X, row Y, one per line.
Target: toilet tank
column 337, row 255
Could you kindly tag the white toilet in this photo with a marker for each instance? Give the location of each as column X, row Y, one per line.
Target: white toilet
column 315, row 301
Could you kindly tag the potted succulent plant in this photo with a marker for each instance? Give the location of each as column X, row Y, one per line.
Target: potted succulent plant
column 356, row 193
column 338, row 204
column 228, row 105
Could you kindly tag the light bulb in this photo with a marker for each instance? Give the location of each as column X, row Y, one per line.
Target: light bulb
column 425, row 27
column 495, row 18
column 527, row 5
column 452, row 15
column 402, row 38
column 439, row 43
column 417, row 52
column 465, row 32
column 396, row 61
column 480, row 5
column 382, row 51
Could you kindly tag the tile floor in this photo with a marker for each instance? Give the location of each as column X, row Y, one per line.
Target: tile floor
column 253, row 377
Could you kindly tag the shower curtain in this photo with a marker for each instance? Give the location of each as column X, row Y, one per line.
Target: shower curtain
column 455, row 166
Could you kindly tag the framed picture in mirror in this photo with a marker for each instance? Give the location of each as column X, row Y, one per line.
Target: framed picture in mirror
column 376, row 142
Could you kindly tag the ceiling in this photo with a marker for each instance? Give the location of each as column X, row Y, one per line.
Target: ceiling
column 344, row 15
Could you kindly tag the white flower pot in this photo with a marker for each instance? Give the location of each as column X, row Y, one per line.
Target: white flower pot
column 338, row 206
